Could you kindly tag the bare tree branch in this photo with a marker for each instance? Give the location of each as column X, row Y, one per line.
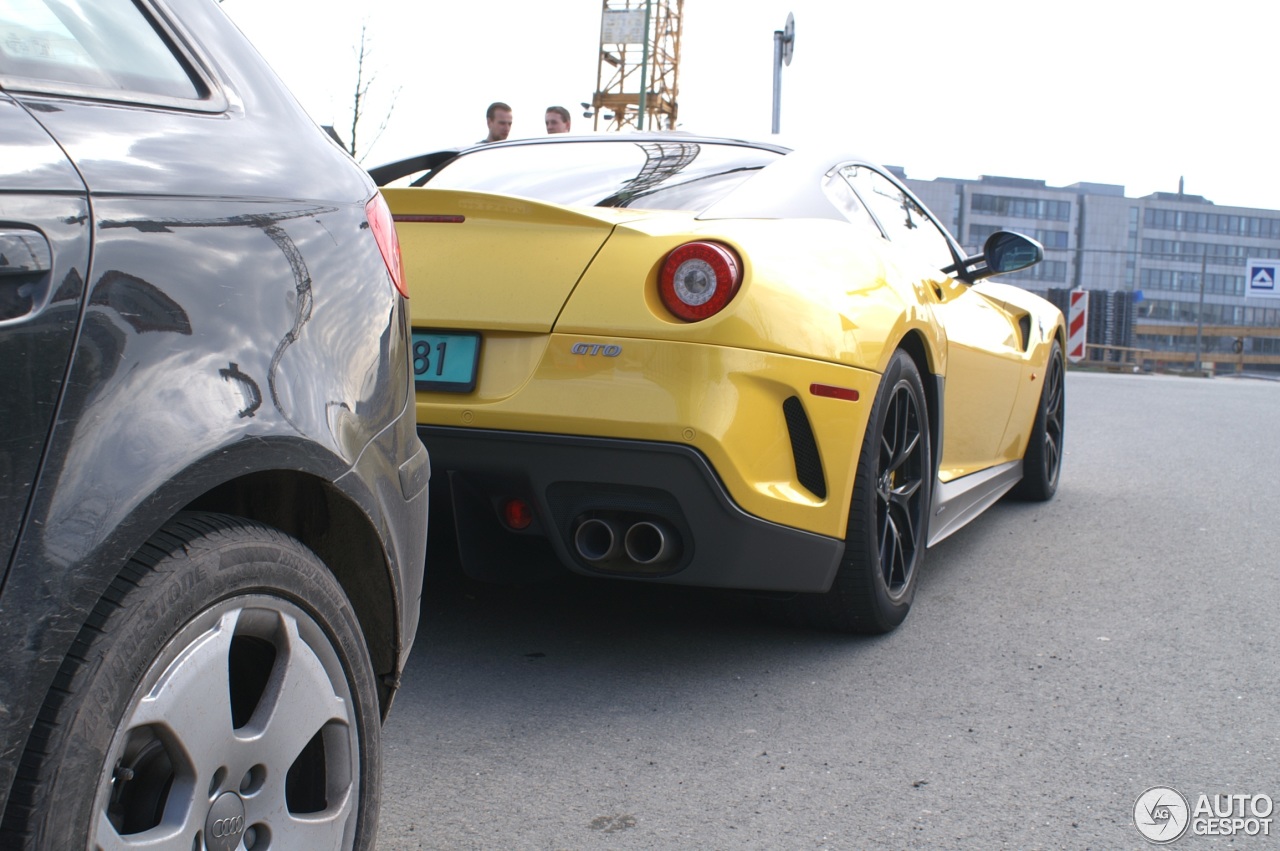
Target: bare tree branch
column 364, row 83
column 361, row 87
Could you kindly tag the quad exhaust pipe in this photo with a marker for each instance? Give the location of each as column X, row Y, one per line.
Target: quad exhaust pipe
column 647, row 543
column 597, row 540
column 617, row 544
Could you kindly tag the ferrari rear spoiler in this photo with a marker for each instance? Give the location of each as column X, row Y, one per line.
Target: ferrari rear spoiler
column 384, row 174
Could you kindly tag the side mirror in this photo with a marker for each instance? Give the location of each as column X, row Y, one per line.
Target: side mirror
column 1008, row 252
column 1005, row 251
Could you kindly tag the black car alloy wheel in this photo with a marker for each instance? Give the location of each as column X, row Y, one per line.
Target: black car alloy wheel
column 223, row 689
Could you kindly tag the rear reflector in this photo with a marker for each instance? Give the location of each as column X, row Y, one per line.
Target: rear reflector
column 517, row 514
column 830, row 391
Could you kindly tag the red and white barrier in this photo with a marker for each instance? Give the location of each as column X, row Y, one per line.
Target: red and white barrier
column 1077, row 325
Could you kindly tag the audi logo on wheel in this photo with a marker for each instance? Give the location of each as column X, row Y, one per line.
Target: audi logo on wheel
column 224, row 827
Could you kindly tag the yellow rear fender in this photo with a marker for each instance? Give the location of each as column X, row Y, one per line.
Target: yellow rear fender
column 457, row 279
column 806, row 291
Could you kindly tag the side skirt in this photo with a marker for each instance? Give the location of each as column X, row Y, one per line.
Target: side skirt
column 956, row 503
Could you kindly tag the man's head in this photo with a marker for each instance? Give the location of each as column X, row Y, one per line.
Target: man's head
column 499, row 118
column 557, row 119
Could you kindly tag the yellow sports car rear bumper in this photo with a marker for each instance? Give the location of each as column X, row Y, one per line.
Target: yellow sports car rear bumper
column 752, row 449
column 626, row 488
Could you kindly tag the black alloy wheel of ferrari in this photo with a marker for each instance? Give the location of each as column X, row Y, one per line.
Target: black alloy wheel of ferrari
column 1042, row 462
column 885, row 544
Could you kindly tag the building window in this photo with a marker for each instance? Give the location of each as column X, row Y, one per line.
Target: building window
column 1252, row 226
column 1189, row 282
column 1219, row 254
column 1021, row 208
column 1058, row 240
column 1051, row 271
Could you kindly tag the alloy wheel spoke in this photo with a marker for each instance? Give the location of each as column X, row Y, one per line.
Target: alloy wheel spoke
column 908, row 435
column 191, row 700
column 889, row 438
column 908, row 451
column 188, row 709
column 902, row 425
column 894, row 556
column 890, row 545
column 164, row 837
column 898, row 573
column 900, row 438
column 908, row 523
column 905, row 512
column 1051, row 454
column 1054, row 403
column 1053, row 424
column 320, row 830
column 299, row 702
column 904, row 494
column 899, row 489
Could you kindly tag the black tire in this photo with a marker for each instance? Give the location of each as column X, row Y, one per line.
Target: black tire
column 1042, row 462
column 220, row 692
column 888, row 517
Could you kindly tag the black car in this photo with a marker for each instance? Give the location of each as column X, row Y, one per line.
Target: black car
column 212, row 498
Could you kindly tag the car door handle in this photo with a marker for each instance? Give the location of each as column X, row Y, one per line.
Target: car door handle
column 25, row 264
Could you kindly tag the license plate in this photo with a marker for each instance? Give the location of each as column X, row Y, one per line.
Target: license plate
column 445, row 360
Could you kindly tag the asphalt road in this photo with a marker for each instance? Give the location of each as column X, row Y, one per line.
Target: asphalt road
column 1060, row 659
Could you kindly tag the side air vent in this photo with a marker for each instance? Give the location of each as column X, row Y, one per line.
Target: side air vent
column 1024, row 325
column 804, row 449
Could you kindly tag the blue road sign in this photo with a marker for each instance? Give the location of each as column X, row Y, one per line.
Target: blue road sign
column 1262, row 278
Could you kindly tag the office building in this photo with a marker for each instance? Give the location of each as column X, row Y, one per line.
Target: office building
column 1150, row 255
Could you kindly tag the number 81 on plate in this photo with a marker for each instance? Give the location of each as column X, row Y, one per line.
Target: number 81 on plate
column 445, row 360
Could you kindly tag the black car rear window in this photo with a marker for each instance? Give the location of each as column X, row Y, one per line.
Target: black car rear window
column 103, row 48
column 650, row 174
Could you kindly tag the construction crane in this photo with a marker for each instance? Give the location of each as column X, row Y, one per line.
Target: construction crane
column 637, row 84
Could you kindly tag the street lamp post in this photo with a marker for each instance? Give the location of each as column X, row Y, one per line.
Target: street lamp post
column 783, row 45
column 1204, row 262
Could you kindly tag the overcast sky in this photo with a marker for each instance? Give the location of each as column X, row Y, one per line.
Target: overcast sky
column 1104, row 91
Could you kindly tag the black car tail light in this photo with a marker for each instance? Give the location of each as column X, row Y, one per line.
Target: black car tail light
column 698, row 279
column 384, row 231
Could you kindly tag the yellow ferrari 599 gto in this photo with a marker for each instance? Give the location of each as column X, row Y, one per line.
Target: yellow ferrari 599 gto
column 719, row 363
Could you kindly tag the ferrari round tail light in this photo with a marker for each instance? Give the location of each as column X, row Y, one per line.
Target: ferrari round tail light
column 698, row 279
column 384, row 231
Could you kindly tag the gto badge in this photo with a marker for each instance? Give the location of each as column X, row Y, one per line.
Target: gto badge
column 593, row 349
